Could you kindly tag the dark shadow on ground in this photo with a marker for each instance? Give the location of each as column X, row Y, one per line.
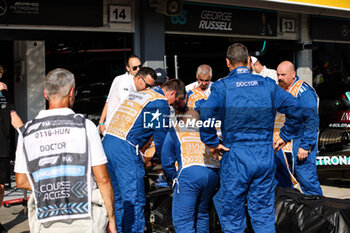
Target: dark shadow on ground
column 20, row 218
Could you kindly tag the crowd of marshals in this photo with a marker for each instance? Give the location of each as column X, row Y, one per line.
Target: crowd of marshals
column 53, row 158
column 247, row 169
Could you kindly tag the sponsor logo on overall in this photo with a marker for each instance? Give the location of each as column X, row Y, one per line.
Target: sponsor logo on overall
column 242, row 70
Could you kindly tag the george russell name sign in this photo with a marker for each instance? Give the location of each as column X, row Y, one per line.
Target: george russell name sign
column 205, row 18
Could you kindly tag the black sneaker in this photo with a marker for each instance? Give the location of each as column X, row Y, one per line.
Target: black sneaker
column 2, row 229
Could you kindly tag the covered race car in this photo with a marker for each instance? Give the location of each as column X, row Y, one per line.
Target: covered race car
column 297, row 212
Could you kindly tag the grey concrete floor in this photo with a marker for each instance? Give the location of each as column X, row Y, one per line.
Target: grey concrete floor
column 15, row 220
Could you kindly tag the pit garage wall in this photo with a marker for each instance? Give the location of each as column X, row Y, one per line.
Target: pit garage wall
column 29, row 58
column 304, row 57
column 148, row 29
column 299, row 32
column 302, row 11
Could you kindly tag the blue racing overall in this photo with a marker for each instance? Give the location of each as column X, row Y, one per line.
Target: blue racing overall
column 304, row 170
column 195, row 180
column 140, row 116
column 247, row 104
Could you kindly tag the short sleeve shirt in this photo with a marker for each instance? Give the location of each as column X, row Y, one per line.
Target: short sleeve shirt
column 121, row 87
column 266, row 72
column 190, row 86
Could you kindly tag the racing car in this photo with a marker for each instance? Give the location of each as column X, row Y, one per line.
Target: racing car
column 333, row 159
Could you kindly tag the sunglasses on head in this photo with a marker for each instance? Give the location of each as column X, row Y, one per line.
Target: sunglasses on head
column 135, row 67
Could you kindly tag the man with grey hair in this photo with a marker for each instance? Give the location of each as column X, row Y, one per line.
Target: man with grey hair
column 60, row 158
column 204, row 75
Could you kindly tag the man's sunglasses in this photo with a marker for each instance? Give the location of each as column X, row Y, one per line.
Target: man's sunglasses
column 147, row 85
column 135, row 67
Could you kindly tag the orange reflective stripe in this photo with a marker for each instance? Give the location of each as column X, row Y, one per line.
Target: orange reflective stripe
column 195, row 96
column 294, row 90
column 293, row 179
column 126, row 115
column 281, row 118
column 194, row 151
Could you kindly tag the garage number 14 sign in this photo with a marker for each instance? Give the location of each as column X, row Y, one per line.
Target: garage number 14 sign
column 119, row 14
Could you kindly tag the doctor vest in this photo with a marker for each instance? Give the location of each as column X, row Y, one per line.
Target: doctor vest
column 56, row 151
column 281, row 118
column 124, row 118
column 193, row 150
column 194, row 97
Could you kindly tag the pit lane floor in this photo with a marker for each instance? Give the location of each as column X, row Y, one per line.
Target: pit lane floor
column 15, row 220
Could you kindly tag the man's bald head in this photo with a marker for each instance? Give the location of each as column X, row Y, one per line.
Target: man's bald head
column 285, row 75
column 287, row 65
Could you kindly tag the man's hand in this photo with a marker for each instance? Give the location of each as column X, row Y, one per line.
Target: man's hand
column 111, row 228
column 218, row 150
column 22, row 181
column 16, row 121
column 278, row 144
column 102, row 128
column 104, row 184
column 3, row 86
column 302, row 153
column 197, row 87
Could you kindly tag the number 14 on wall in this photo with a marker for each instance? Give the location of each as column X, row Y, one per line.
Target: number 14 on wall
column 119, row 13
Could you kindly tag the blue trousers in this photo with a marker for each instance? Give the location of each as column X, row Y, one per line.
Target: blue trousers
column 305, row 172
column 247, row 176
column 282, row 175
column 127, row 171
column 191, row 199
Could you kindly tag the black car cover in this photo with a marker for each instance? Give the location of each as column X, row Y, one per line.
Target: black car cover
column 297, row 212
